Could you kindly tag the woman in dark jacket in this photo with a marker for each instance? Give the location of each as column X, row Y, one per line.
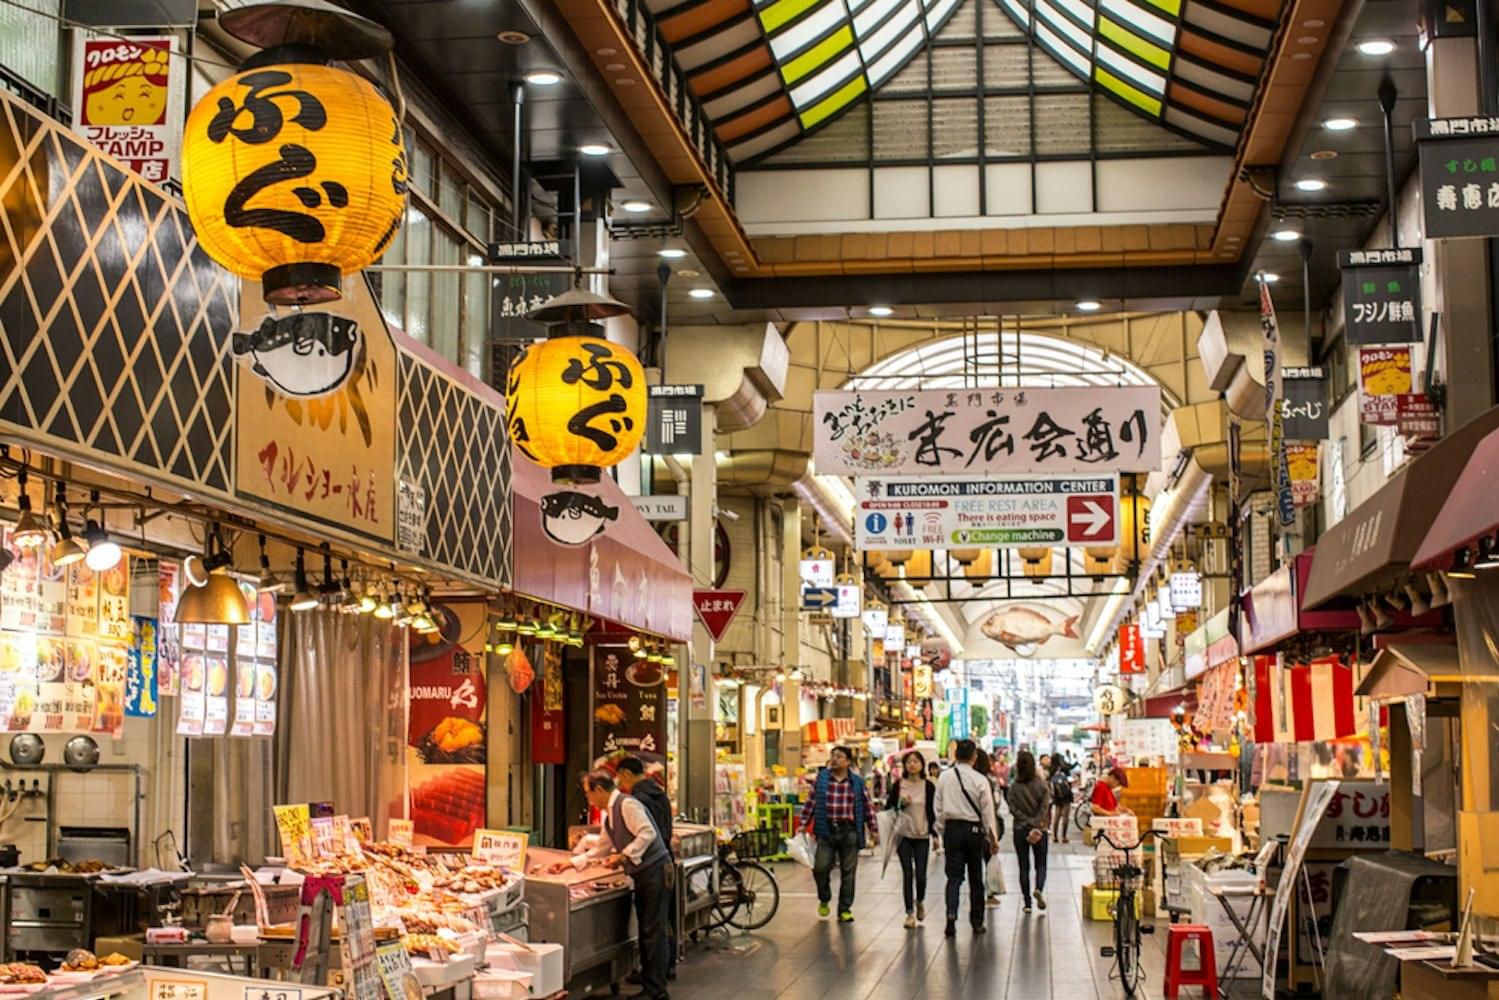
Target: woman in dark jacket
column 1030, row 798
column 913, row 794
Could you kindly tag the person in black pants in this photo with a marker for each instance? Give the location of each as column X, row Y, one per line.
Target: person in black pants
column 1030, row 799
column 632, row 780
column 965, row 818
column 915, row 798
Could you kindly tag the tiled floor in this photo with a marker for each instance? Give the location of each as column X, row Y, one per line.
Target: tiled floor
column 1025, row 957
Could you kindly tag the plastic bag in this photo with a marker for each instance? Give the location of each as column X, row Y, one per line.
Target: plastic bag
column 802, row 849
column 994, row 876
column 887, row 821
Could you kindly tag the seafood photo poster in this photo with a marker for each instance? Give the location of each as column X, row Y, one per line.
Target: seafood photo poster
column 629, row 706
column 446, row 745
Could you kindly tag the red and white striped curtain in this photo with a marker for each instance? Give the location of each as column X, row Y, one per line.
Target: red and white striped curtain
column 1306, row 702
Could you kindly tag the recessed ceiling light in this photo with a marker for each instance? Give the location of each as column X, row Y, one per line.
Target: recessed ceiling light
column 1324, row 154
column 1269, row 277
column 1315, row 22
column 1340, row 124
column 636, row 205
column 880, row 311
column 1376, row 47
column 1089, row 305
column 607, row 51
column 514, row 37
column 543, row 78
column 625, row 81
column 1307, row 40
column 671, row 253
column 614, row 67
column 1286, row 235
column 594, row 149
column 1301, row 56
column 701, row 293
column 1311, row 184
column 688, row 272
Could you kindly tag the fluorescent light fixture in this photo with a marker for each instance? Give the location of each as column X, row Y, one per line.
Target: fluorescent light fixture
column 1286, row 235
column 671, row 253
column 1376, row 47
column 1089, row 306
column 1269, row 277
column 1340, row 124
column 594, row 149
column 636, row 205
column 880, row 311
column 1311, row 184
column 701, row 293
column 543, row 78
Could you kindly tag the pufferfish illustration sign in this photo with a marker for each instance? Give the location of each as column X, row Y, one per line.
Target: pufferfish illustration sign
column 127, row 99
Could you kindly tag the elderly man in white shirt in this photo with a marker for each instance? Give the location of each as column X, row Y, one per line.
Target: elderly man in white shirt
column 964, row 809
column 630, row 840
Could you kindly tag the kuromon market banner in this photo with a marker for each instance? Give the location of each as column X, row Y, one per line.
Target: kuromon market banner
column 1007, row 430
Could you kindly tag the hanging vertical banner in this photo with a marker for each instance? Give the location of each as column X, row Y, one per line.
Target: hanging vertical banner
column 1131, row 650
column 1273, row 396
column 140, row 678
column 629, row 706
column 1303, row 469
column 127, row 99
column 1384, row 375
column 1304, row 410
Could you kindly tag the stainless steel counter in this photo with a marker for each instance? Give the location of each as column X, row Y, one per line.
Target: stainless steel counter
column 593, row 926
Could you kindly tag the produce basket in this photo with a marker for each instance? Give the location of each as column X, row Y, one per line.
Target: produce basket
column 761, row 843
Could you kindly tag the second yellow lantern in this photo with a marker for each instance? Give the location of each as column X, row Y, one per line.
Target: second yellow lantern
column 576, row 405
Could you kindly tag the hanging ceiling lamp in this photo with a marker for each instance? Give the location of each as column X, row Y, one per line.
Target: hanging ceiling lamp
column 66, row 551
column 575, row 403
column 369, row 601
column 267, row 582
column 304, row 599
column 31, row 530
column 294, row 171
column 219, row 601
column 104, row 554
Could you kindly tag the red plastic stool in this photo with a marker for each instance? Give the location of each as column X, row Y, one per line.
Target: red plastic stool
column 1177, row 935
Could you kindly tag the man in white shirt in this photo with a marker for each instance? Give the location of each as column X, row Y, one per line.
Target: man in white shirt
column 964, row 810
column 630, row 840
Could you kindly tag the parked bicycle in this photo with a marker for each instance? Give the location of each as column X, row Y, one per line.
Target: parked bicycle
column 1124, row 878
column 1082, row 813
column 748, row 894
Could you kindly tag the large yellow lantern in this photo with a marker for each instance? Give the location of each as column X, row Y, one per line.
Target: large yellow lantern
column 294, row 175
column 576, row 405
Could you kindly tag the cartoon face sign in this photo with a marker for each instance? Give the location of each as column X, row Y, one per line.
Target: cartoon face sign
column 126, row 85
column 303, row 354
column 572, row 518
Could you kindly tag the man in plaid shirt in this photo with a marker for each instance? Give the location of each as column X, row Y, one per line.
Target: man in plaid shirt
column 840, row 815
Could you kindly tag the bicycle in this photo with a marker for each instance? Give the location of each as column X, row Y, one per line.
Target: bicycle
column 1082, row 813
column 1125, row 878
column 748, row 894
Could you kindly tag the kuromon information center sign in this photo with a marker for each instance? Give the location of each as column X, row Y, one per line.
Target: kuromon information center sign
column 899, row 512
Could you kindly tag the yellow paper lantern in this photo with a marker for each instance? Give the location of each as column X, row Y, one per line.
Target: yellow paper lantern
column 294, row 175
column 576, row 405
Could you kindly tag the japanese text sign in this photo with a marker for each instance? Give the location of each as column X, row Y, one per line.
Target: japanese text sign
column 988, row 431
column 1131, row 651
column 505, row 848
column 1304, row 408
column 1459, row 176
column 896, row 512
column 1381, row 295
column 128, row 95
column 716, row 609
column 629, row 705
column 1384, row 373
column 674, row 420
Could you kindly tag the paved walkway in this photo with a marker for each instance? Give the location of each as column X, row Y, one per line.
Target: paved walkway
column 1023, row 956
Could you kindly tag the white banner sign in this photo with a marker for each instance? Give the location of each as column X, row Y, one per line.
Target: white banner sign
column 850, row 600
column 1185, row 590
column 988, row 431
column 817, row 572
column 1002, row 511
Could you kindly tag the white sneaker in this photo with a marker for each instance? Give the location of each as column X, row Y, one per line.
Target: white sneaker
column 1040, row 901
column 920, row 911
column 910, row 923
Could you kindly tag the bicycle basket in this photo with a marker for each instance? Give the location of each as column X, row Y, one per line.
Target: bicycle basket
column 1106, row 865
column 760, row 843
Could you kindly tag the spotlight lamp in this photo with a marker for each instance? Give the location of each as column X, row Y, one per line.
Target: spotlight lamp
column 66, row 551
column 385, row 609
column 267, row 583
column 304, row 599
column 31, row 530
column 1488, row 554
column 369, row 603
column 104, row 553
column 1462, row 566
column 505, row 647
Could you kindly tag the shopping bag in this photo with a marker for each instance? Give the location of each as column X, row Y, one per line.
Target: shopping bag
column 887, row 821
column 801, row 849
column 994, row 876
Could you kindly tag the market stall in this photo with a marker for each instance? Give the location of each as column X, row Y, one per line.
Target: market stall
column 588, row 912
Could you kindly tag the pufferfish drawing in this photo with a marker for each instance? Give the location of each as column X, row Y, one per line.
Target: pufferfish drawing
column 1025, row 629
column 304, row 354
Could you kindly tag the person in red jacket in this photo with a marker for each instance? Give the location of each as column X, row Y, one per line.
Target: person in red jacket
column 1105, row 794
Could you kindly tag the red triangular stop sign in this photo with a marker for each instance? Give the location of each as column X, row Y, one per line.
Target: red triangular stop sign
column 716, row 609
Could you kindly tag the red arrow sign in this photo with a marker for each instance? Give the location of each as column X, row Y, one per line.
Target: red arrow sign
column 1090, row 518
column 716, row 609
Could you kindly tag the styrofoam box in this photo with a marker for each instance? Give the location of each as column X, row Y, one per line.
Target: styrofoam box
column 543, row 962
column 502, row 984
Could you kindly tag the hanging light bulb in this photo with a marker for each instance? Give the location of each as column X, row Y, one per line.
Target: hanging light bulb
column 384, row 609
column 639, row 647
column 505, row 647
column 304, row 599
column 369, row 602
column 67, row 551
column 103, row 554
column 31, row 531
column 267, row 583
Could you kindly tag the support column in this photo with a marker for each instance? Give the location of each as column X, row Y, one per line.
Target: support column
column 697, row 731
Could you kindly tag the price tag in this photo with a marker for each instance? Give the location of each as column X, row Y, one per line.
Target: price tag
column 400, row 832
column 502, row 848
column 178, row 989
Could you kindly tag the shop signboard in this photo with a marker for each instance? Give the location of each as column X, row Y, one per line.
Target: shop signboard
column 1417, row 418
column 662, row 506
column 1302, row 465
column 128, row 100
column 1184, row 588
column 875, row 620
column 1109, row 699
column 447, row 728
column 1357, row 818
column 817, row 571
column 899, row 513
column 140, row 677
column 1459, row 176
column 674, row 420
column 1384, row 373
column 1131, row 650
column 957, row 706
column 716, row 609
column 850, row 600
column 973, row 432
column 1381, row 295
column 505, row 848
column 1304, row 409
column 1152, row 624
column 629, row 706
column 1274, row 397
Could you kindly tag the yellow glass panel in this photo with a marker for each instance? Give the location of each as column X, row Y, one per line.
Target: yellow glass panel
column 814, row 58
column 1127, row 91
column 782, row 12
column 1172, row 7
column 834, row 102
column 1133, row 43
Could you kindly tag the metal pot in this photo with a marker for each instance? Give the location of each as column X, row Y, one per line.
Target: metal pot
column 220, row 929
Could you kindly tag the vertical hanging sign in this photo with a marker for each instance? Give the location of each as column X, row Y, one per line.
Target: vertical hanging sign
column 128, row 97
column 1273, row 394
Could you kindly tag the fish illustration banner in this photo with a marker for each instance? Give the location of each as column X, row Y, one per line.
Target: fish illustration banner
column 1009, row 430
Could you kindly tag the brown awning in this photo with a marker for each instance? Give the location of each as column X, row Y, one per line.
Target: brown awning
column 1403, row 669
column 1470, row 510
column 1376, row 543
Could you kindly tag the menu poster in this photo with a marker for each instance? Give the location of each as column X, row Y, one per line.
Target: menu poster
column 114, row 602
column 51, row 665
column 265, row 698
column 51, row 596
column 217, row 638
column 246, row 635
column 245, row 703
column 191, row 711
column 324, row 837
column 216, row 694
column 193, row 637
column 265, row 627
column 17, row 679
column 79, row 698
column 398, row 832
column 359, row 940
column 629, row 707
column 294, row 827
column 82, row 602
column 18, row 587
column 446, row 729
column 140, row 678
column 396, row 973
column 109, row 714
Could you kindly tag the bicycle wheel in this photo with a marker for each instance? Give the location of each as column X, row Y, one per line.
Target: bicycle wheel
column 760, row 897
column 1082, row 815
column 1127, row 943
column 730, row 895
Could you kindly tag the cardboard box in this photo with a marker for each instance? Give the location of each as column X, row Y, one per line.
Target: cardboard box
column 1195, row 847
column 1101, row 903
column 542, row 962
column 501, row 984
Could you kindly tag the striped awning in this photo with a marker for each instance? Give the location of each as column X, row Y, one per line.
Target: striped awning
column 1306, row 702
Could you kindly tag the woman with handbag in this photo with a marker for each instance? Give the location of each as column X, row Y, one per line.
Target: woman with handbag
column 1030, row 798
column 913, row 796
